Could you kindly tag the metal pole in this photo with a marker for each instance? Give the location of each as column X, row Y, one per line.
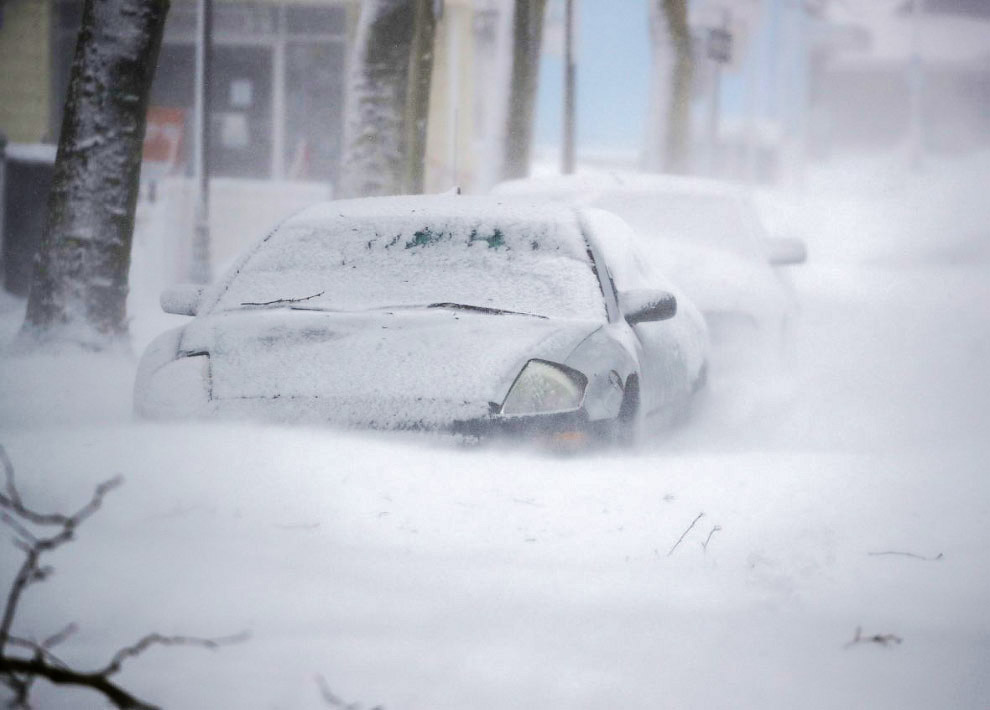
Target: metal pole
column 454, row 92
column 916, row 80
column 570, row 73
column 714, row 106
column 3, row 203
column 278, row 98
column 200, row 269
column 803, row 93
column 713, row 119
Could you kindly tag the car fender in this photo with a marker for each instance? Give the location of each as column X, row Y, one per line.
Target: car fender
column 607, row 357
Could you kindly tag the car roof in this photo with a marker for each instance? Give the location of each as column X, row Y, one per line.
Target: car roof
column 562, row 186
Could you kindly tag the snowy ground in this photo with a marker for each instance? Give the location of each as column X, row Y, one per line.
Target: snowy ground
column 416, row 575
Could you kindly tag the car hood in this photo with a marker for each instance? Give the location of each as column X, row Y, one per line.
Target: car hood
column 721, row 282
column 382, row 368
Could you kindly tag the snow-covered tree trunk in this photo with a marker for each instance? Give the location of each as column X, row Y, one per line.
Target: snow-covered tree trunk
column 388, row 95
column 527, row 36
column 418, row 103
column 79, row 286
column 673, row 68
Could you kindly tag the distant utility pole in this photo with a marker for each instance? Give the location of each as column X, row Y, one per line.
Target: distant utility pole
column 200, row 270
column 570, row 74
column 720, row 52
column 916, row 81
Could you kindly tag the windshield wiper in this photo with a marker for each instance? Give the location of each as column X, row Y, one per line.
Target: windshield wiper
column 279, row 301
column 483, row 309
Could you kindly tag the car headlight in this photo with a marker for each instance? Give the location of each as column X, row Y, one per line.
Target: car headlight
column 543, row 387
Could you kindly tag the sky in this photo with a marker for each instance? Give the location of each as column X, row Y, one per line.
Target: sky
column 612, row 78
column 614, row 64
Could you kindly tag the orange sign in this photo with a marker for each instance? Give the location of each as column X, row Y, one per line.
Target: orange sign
column 163, row 134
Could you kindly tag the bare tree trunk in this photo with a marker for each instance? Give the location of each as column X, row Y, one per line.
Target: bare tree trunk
column 568, row 157
column 388, row 96
column 527, row 38
column 418, row 104
column 79, row 286
column 671, row 39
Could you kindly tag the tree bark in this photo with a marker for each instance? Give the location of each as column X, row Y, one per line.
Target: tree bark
column 527, row 38
column 673, row 73
column 388, row 98
column 79, row 285
column 418, row 104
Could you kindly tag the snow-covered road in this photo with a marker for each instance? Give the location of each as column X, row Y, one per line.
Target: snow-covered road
column 417, row 575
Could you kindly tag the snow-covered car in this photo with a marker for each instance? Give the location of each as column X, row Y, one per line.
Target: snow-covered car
column 447, row 313
column 704, row 234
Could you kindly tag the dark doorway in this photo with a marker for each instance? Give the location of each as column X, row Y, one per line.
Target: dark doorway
column 241, row 120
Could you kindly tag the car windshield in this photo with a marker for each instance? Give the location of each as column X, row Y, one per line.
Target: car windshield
column 699, row 219
column 326, row 259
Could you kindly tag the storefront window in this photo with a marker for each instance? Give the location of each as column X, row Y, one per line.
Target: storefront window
column 251, row 41
column 314, row 97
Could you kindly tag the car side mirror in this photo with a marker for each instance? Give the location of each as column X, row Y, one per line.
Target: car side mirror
column 784, row 251
column 181, row 299
column 647, row 306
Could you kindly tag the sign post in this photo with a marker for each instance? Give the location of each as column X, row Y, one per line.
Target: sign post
column 200, row 271
column 570, row 75
column 719, row 50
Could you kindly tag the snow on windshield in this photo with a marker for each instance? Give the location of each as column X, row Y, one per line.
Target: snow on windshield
column 362, row 255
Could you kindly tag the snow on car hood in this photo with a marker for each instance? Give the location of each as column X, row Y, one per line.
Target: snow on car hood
column 387, row 368
column 722, row 282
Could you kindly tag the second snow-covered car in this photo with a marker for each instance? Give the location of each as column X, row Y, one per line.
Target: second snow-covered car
column 707, row 236
column 445, row 313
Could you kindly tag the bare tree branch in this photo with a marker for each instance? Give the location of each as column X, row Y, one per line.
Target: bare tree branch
column 936, row 558
column 38, row 649
column 11, row 500
column 284, row 300
column 57, row 638
column 18, row 673
column 684, row 534
column 8, row 475
column 704, row 545
column 156, row 639
column 881, row 639
column 38, row 667
column 26, row 537
column 13, row 512
column 334, row 701
column 17, row 587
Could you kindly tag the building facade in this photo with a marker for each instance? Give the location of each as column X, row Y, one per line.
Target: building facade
column 277, row 89
column 276, row 121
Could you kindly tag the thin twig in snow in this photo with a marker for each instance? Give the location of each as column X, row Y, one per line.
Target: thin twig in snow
column 936, row 558
column 283, row 300
column 298, row 526
column 33, row 547
column 18, row 672
column 155, row 639
column 880, row 639
column 11, row 500
column 331, row 699
column 704, row 545
column 39, row 650
column 60, row 636
column 684, row 534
